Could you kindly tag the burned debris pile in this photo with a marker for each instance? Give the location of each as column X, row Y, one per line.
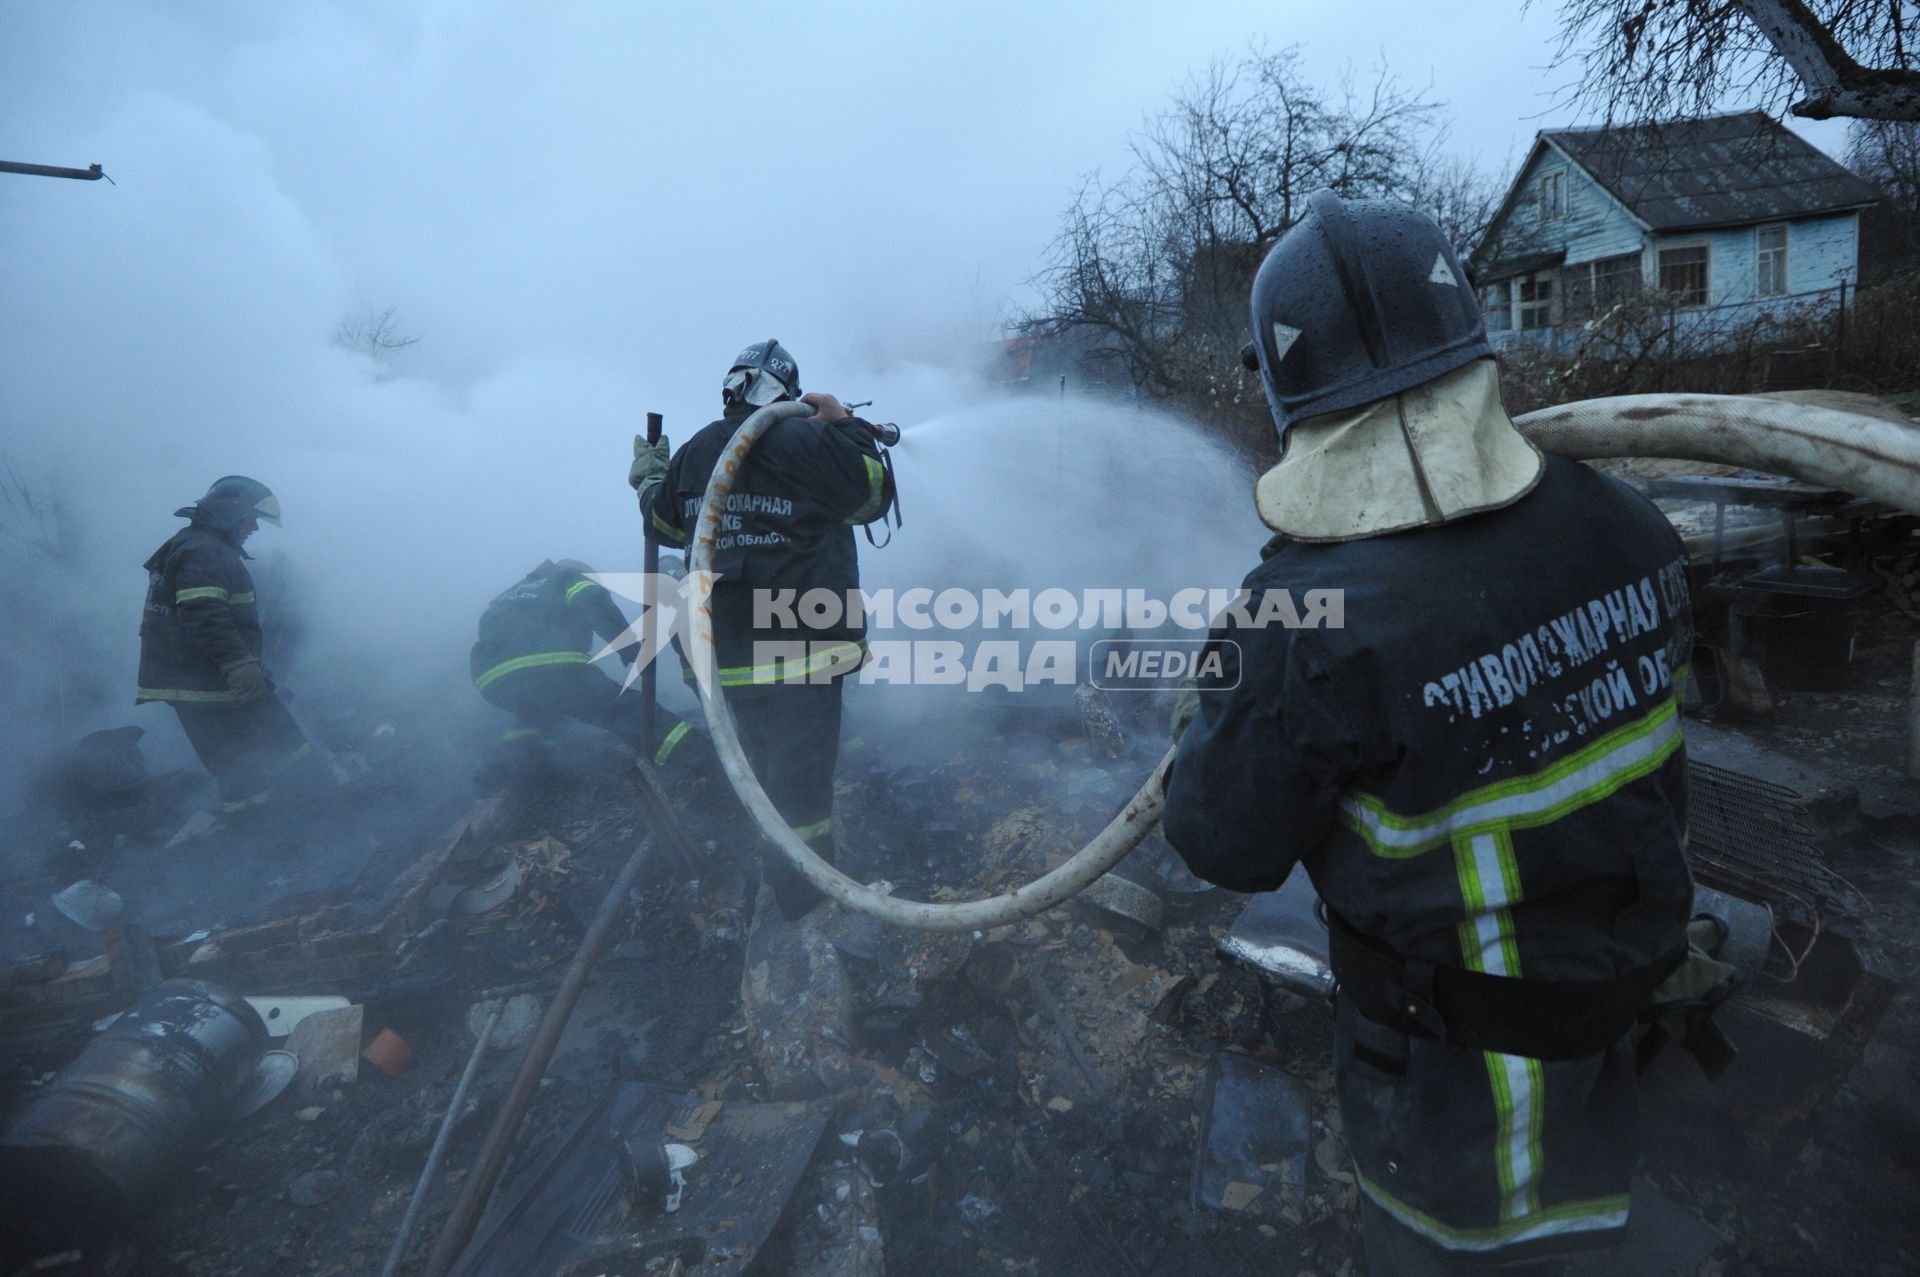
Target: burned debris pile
column 1134, row 1083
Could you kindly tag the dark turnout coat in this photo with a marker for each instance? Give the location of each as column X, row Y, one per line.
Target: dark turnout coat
column 1482, row 769
column 788, row 526
column 200, row 620
column 547, row 618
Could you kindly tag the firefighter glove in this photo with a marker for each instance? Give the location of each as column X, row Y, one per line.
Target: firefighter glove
column 649, row 463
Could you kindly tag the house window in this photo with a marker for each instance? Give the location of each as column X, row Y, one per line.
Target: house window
column 1494, row 304
column 1771, row 256
column 1615, row 279
column 1553, row 196
column 1683, row 275
column 1536, row 300
column 1594, row 288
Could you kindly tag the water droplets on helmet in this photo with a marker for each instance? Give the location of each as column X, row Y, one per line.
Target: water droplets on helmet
column 1360, row 299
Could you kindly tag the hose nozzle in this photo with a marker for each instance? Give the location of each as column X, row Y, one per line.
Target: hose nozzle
column 886, row 432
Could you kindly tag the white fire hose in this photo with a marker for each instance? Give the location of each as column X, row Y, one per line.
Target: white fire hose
column 1866, row 456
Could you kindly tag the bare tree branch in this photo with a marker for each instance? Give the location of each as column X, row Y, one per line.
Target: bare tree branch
column 372, row 332
column 1657, row 59
column 1836, row 84
column 1149, row 274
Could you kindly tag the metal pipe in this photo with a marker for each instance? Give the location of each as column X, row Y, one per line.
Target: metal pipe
column 91, row 173
column 1913, row 718
column 465, row 1216
column 440, row 1141
column 650, row 566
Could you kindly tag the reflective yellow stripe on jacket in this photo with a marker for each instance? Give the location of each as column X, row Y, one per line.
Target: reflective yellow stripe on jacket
column 671, row 743
column 668, row 531
column 1478, row 827
column 1523, row 802
column 203, row 592
column 533, row 660
column 184, row 694
column 1587, row 1216
column 849, row 654
column 876, row 492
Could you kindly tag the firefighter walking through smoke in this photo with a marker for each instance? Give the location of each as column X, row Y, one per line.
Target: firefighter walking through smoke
column 200, row 648
column 787, row 529
column 1481, row 769
column 533, row 658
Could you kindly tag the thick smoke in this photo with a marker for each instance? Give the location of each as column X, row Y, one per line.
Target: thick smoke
column 581, row 213
column 580, row 210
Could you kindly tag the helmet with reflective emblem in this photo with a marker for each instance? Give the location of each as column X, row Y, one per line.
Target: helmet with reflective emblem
column 763, row 373
column 1359, row 300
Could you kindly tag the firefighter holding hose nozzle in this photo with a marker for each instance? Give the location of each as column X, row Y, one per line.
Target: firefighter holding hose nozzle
column 1481, row 769
column 787, row 530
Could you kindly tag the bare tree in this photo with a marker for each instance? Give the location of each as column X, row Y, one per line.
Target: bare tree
column 372, row 332
column 1655, row 59
column 1887, row 153
column 1457, row 193
column 1149, row 273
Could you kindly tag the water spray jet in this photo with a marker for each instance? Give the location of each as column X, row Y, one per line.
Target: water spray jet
column 1864, row 455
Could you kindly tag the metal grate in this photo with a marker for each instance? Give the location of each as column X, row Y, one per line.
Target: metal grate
column 1745, row 835
column 589, row 1219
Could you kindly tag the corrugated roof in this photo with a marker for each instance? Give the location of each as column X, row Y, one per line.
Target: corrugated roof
column 1722, row 170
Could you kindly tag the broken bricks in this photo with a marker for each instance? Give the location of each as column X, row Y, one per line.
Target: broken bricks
column 389, row 1052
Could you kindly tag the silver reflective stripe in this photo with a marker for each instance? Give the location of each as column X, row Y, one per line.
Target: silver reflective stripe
column 1581, row 778
column 1594, row 1215
column 1489, row 888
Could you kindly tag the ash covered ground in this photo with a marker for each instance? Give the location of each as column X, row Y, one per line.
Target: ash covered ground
column 1025, row 1101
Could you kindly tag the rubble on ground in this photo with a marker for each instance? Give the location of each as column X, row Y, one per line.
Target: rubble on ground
column 1042, row 1099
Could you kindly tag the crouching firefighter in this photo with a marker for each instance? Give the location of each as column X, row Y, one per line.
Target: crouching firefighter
column 1480, row 765
column 534, row 659
column 200, row 645
column 788, row 529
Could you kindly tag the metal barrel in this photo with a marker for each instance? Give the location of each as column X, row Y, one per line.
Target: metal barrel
column 98, row 1142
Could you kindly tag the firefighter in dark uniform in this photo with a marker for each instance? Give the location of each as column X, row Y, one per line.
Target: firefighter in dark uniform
column 534, row 659
column 788, row 529
column 200, row 644
column 1480, row 766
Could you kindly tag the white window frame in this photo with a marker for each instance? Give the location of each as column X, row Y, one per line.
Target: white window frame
column 1553, row 277
column 1784, row 251
column 1659, row 285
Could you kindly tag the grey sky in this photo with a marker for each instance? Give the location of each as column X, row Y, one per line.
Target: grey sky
column 582, row 209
